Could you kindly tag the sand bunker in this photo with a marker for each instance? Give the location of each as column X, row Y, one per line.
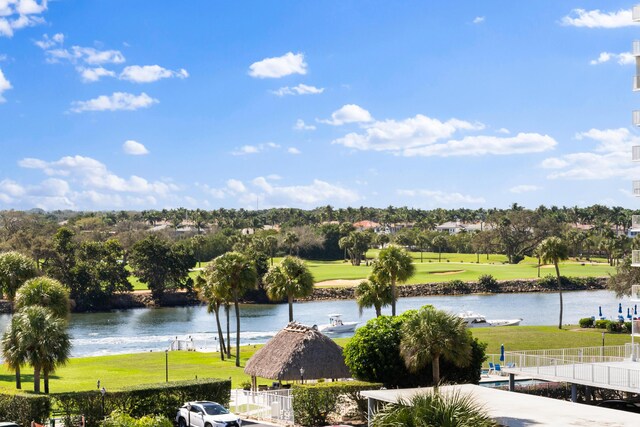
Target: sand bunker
column 446, row 273
column 339, row 283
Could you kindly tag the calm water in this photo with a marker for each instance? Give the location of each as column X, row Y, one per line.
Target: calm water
column 139, row 330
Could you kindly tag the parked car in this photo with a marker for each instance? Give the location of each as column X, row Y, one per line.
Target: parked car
column 206, row 414
column 623, row 405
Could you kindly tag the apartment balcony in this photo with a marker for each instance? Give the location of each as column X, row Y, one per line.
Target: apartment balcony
column 635, row 221
column 635, row 153
column 636, row 83
column 635, row 49
column 635, row 262
column 636, row 188
column 636, row 118
column 635, row 13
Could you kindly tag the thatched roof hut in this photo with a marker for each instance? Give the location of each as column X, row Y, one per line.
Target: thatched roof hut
column 294, row 347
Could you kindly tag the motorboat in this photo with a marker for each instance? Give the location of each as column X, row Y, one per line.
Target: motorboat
column 475, row 320
column 336, row 325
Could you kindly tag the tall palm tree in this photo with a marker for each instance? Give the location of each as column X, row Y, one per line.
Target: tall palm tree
column 439, row 242
column 207, row 293
column 233, row 273
column 44, row 339
column 15, row 269
column 553, row 250
column 429, row 335
column 12, row 350
column 435, row 409
column 290, row 279
column 44, row 292
column 393, row 265
column 373, row 293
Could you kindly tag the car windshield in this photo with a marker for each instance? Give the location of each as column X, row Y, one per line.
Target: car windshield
column 214, row 409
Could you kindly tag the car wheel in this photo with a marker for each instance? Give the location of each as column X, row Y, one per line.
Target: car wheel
column 182, row 422
column 207, row 425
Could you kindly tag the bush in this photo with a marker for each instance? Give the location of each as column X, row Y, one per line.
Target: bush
column 24, row 408
column 373, row 354
column 586, row 322
column 488, row 281
column 138, row 401
column 118, row 419
column 602, row 324
column 313, row 403
column 457, row 286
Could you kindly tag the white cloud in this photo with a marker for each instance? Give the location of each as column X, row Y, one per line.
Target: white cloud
column 293, row 150
column 90, row 75
column 86, row 55
column 624, row 58
column 597, row 19
column 317, row 193
column 92, row 174
column 3, row 57
column 425, row 136
column 301, row 89
column 18, row 14
column 254, row 149
column 478, row 20
column 4, row 86
column 48, row 43
column 503, row 131
column 150, row 73
column 11, row 188
column 301, row 125
column 438, row 197
column 114, row 102
column 610, row 158
column 524, row 188
column 134, row 148
column 236, row 186
column 280, row 66
column 349, row 113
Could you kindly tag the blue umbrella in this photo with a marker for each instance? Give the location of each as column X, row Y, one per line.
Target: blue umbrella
column 620, row 308
column 635, row 310
column 502, row 352
column 628, row 313
column 599, row 311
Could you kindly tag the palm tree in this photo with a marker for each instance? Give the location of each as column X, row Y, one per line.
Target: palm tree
column 44, row 292
column 291, row 239
column 12, row 351
column 233, row 273
column 15, row 269
column 44, row 339
column 207, row 293
column 429, row 335
column 291, row 279
column 373, row 293
column 553, row 250
column 439, row 242
column 393, row 265
column 435, row 409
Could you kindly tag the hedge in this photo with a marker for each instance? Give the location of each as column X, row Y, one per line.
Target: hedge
column 314, row 403
column 137, row 401
column 23, row 408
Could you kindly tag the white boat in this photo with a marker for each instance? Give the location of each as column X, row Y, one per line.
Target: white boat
column 336, row 325
column 475, row 320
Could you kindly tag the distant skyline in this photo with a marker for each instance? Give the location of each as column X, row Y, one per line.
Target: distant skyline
column 113, row 104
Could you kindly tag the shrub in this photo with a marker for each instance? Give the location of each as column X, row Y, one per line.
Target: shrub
column 614, row 327
column 457, row 286
column 602, row 323
column 24, row 408
column 488, row 281
column 373, row 354
column 138, row 401
column 314, row 403
column 586, row 322
column 118, row 419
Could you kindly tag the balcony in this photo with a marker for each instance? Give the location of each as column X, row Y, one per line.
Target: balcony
column 636, row 83
column 635, row 221
column 635, row 262
column 635, row 49
column 636, row 118
column 636, row 188
column 635, row 153
column 635, row 293
column 635, row 13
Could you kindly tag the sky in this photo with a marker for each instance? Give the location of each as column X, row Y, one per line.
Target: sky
column 119, row 104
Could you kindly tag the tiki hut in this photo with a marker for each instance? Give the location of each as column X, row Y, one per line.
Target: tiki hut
column 294, row 348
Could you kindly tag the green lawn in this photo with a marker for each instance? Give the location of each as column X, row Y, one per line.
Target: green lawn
column 115, row 372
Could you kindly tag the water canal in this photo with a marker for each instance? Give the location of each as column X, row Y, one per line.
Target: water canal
column 141, row 330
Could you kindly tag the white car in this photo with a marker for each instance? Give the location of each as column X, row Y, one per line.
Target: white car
column 206, row 414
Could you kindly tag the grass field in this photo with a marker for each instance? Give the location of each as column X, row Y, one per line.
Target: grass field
column 116, row 372
column 453, row 266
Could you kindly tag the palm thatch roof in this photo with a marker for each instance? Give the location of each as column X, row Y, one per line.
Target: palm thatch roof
column 294, row 347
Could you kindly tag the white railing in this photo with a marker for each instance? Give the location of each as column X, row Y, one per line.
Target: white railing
column 635, row 150
column 635, row 13
column 635, row 48
column 635, row 258
column 273, row 405
column 636, row 83
column 636, row 188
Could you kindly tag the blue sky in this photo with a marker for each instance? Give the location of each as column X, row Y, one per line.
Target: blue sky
column 138, row 105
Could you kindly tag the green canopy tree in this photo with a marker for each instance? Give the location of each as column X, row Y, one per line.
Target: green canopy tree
column 373, row 293
column 233, row 273
column 290, row 279
column 552, row 250
column 15, row 269
column 429, row 335
column 393, row 265
column 44, row 292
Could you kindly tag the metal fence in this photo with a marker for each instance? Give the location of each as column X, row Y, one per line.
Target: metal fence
column 273, row 405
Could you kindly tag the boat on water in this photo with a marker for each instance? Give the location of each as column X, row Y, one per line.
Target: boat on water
column 475, row 320
column 336, row 325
